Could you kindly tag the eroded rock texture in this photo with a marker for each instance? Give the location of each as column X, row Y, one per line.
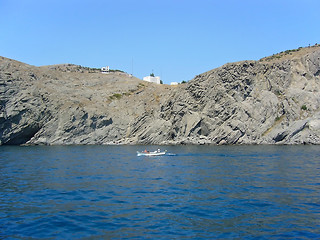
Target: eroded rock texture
column 271, row 101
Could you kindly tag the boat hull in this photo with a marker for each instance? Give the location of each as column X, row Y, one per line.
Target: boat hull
column 151, row 153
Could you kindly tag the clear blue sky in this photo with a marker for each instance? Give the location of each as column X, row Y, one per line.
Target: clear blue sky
column 177, row 39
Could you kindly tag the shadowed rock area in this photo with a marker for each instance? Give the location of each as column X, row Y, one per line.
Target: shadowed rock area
column 271, row 101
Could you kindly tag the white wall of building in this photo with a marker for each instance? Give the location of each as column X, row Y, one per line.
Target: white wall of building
column 105, row 69
column 152, row 79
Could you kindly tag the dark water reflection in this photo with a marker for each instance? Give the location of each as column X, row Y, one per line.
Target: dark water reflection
column 201, row 192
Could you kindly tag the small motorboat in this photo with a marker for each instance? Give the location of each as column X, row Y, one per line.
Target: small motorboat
column 155, row 153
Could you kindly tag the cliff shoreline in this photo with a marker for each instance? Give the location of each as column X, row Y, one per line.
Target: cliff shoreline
column 275, row 100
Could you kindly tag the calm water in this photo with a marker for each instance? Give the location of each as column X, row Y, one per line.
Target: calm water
column 199, row 192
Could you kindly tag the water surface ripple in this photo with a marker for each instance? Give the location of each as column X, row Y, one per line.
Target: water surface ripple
column 199, row 192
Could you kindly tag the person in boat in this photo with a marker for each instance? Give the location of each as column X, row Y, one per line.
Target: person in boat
column 145, row 151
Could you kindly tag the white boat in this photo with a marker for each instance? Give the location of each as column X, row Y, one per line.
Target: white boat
column 155, row 153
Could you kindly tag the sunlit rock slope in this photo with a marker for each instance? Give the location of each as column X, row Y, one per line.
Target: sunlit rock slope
column 274, row 100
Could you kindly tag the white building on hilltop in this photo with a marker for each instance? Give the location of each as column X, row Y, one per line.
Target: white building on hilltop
column 105, row 69
column 152, row 79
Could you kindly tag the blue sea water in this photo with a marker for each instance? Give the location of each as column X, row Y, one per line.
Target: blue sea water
column 195, row 192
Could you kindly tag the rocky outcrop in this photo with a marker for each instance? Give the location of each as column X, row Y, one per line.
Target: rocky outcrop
column 271, row 101
column 251, row 102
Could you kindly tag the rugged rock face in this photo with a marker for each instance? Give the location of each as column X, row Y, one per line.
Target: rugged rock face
column 251, row 102
column 271, row 101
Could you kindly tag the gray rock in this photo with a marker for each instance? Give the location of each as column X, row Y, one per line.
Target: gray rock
column 275, row 100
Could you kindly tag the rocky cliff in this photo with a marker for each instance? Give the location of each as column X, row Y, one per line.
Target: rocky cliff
column 271, row 101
